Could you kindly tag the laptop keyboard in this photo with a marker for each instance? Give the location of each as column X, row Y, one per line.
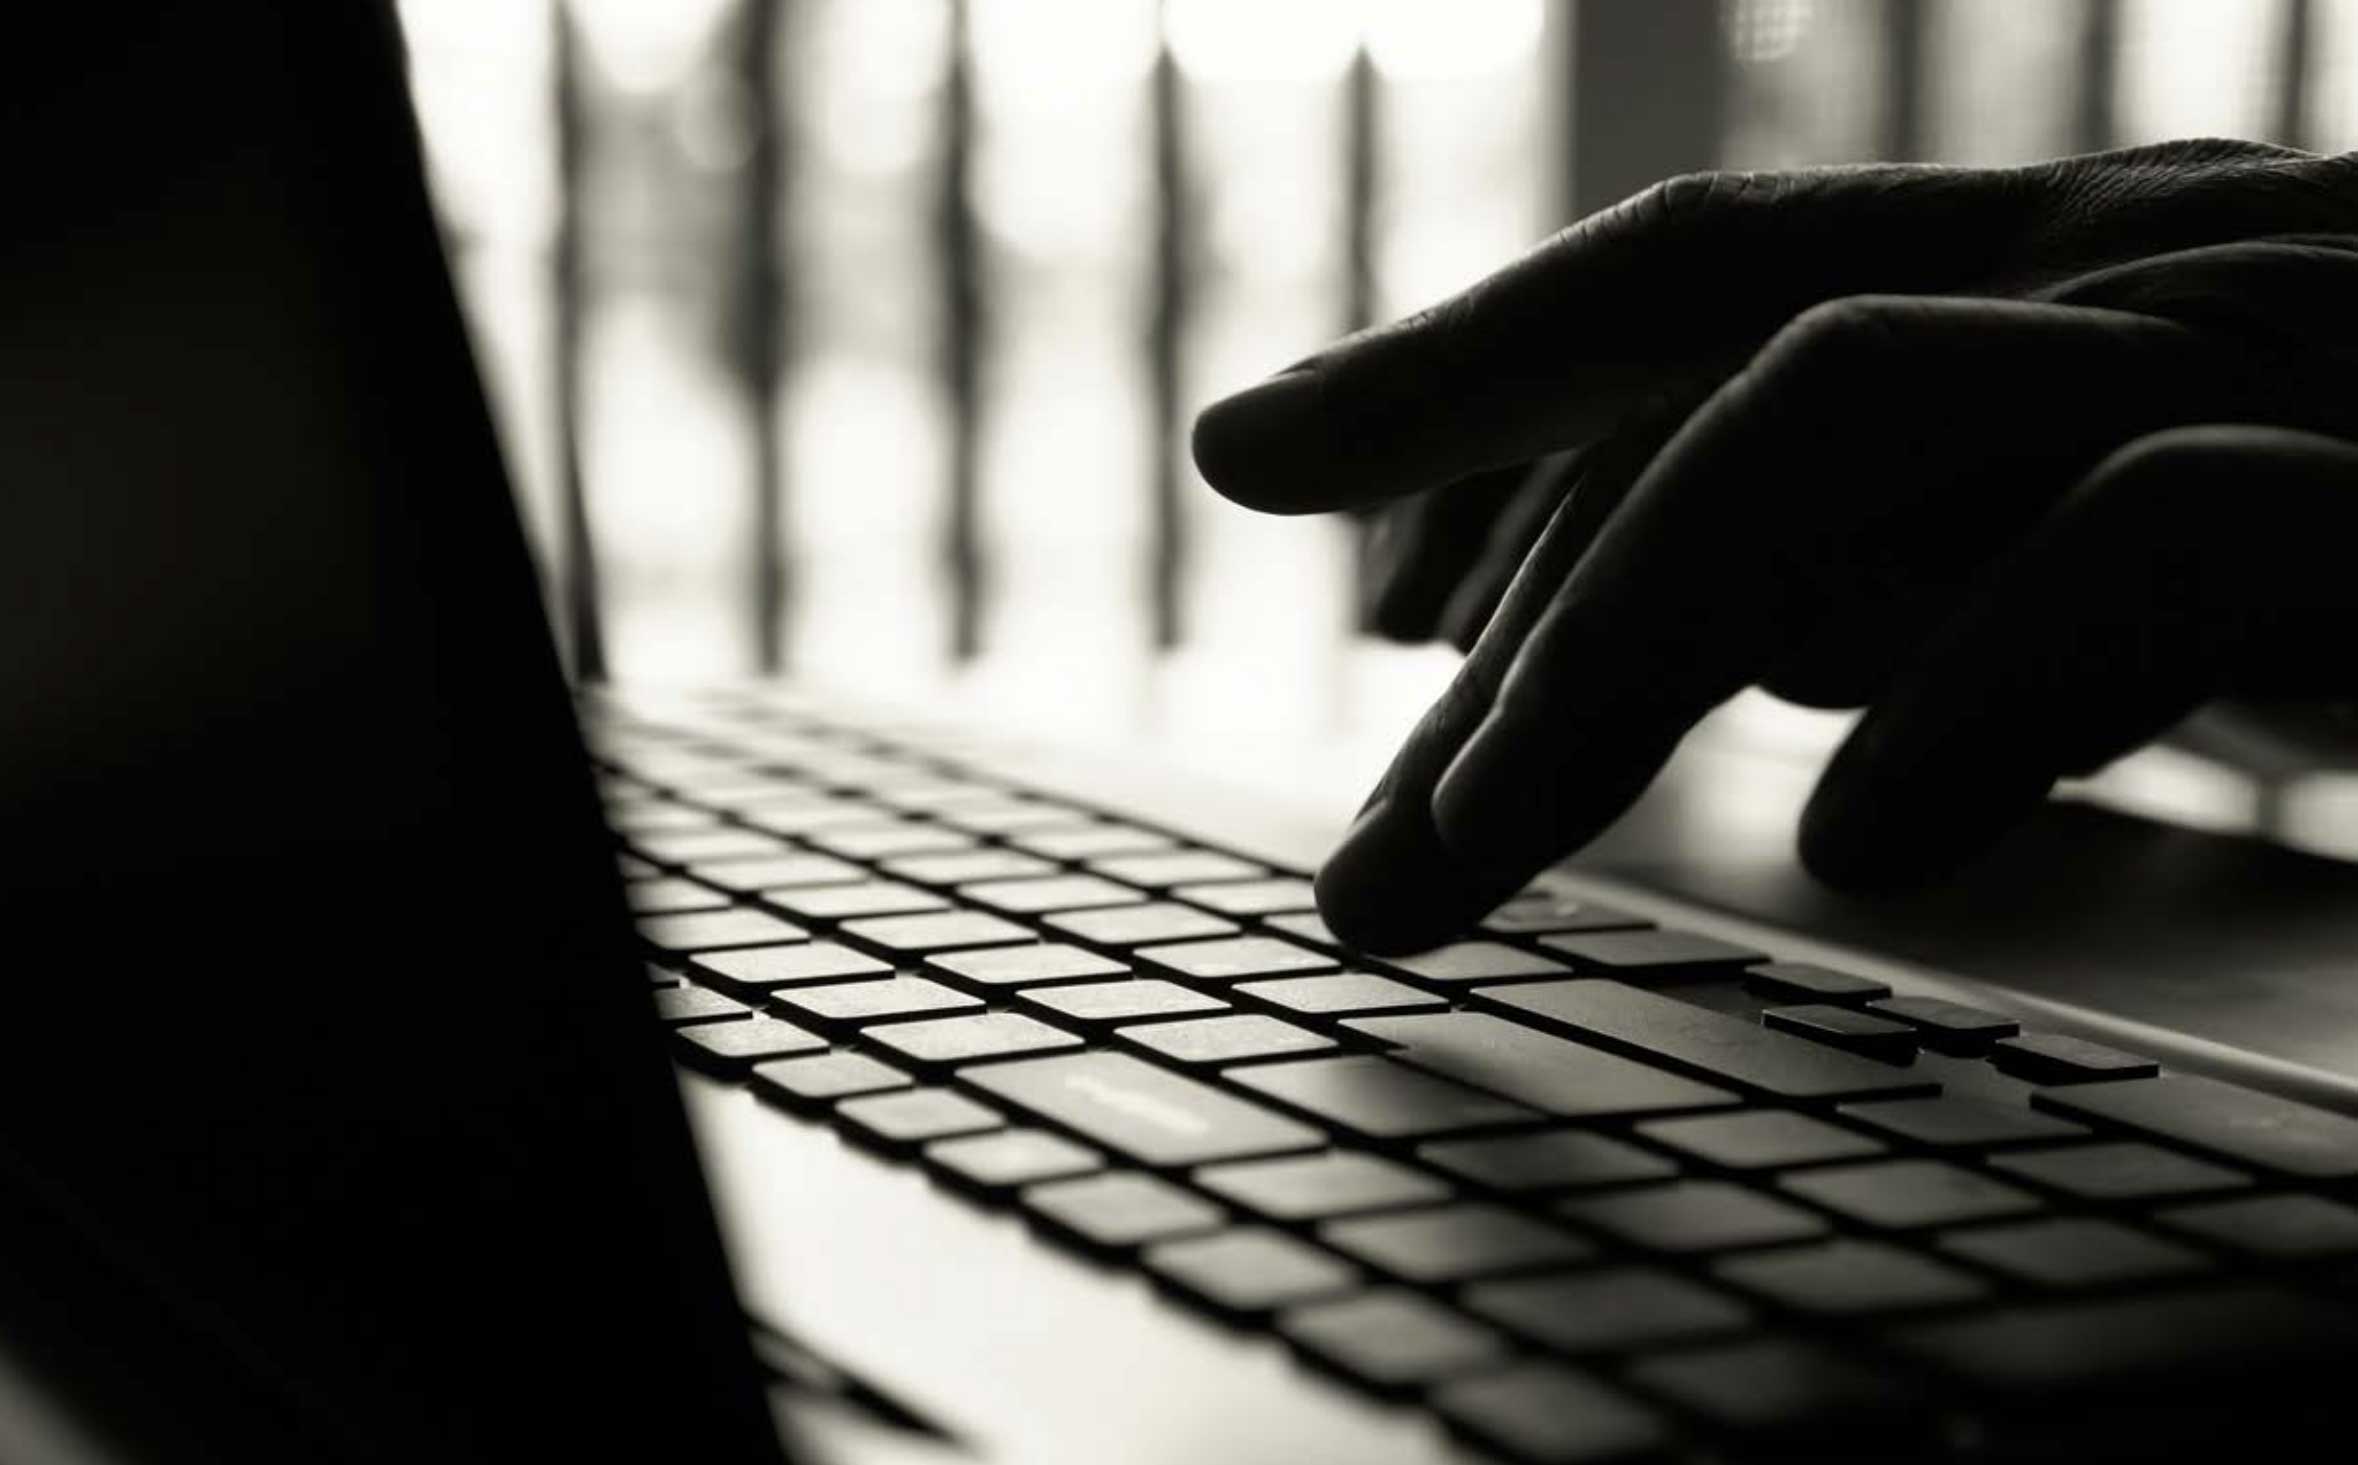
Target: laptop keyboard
column 1584, row 1186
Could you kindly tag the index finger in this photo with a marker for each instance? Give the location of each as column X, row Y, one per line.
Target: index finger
column 1680, row 281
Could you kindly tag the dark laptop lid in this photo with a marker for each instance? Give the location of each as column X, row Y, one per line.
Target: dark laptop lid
column 332, row 1115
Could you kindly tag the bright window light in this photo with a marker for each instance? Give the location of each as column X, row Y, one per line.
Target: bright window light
column 646, row 46
column 1417, row 38
column 1039, row 51
column 1262, row 40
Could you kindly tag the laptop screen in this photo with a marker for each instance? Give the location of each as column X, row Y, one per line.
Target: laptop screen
column 329, row 1047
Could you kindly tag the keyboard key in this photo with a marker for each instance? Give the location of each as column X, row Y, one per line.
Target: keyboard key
column 2237, row 1124
column 1313, row 1187
column 1564, row 1159
column 1454, row 1243
column 655, row 817
column 1090, row 841
column 1801, row 981
column 1377, row 1098
column 1012, row 816
column 1207, row 1041
column 2072, row 1251
column 1551, row 1074
column 660, row 977
column 913, row 1116
column 1050, row 893
column 1464, row 962
column 1847, row 1277
column 2052, row 1058
column 1950, row 1027
column 1907, row 1193
column 1760, row 1139
column 777, row 872
column 1352, row 994
column 961, row 867
column 806, row 816
column 2127, row 1346
column 693, row 846
column 1651, row 955
column 1229, row 958
column 844, row 1005
column 1727, row 1048
column 1119, row 1210
column 2125, row 1171
column 948, row 1041
column 997, row 968
column 731, row 1047
column 632, row 868
column 1545, row 913
column 1309, row 928
column 1391, row 1341
column 1783, row 1388
column 1250, row 897
column 766, row 968
column 924, row 796
column 1103, row 1004
column 1612, row 1310
column 1694, row 1216
column 2276, row 1227
column 1008, row 1159
column 1550, row 1413
column 1249, row 1270
column 1140, row 925
column 683, row 1005
column 1162, row 869
column 716, row 930
column 672, row 897
column 1140, row 1111
column 931, row 931
column 806, row 1083
column 884, row 840
column 1953, row 1122
column 1846, row 1028
column 821, row 903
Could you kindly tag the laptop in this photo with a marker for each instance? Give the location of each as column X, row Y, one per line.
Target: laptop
column 407, row 1058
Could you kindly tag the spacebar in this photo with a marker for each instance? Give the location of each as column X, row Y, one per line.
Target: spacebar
column 1708, row 1042
column 1143, row 1113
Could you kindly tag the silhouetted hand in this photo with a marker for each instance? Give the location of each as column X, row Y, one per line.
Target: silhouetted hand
column 2029, row 462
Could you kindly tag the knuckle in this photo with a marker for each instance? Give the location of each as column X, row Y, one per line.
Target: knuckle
column 2199, row 190
column 1833, row 338
column 1685, row 202
column 2162, row 472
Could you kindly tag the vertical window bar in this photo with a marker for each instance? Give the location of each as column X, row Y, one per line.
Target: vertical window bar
column 1359, row 191
column 2093, row 127
column 760, row 319
column 1905, row 39
column 1649, row 93
column 1359, row 276
column 961, row 344
column 1167, row 552
column 2291, row 122
column 576, row 555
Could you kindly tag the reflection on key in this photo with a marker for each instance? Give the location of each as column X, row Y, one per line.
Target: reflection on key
column 1377, row 1098
column 1138, row 1110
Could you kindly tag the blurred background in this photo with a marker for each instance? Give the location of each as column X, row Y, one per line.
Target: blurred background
column 858, row 339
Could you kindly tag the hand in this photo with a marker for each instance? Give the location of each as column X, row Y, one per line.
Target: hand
column 2029, row 462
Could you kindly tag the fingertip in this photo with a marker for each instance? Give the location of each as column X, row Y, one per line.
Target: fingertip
column 1251, row 446
column 1864, row 833
column 1391, row 885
